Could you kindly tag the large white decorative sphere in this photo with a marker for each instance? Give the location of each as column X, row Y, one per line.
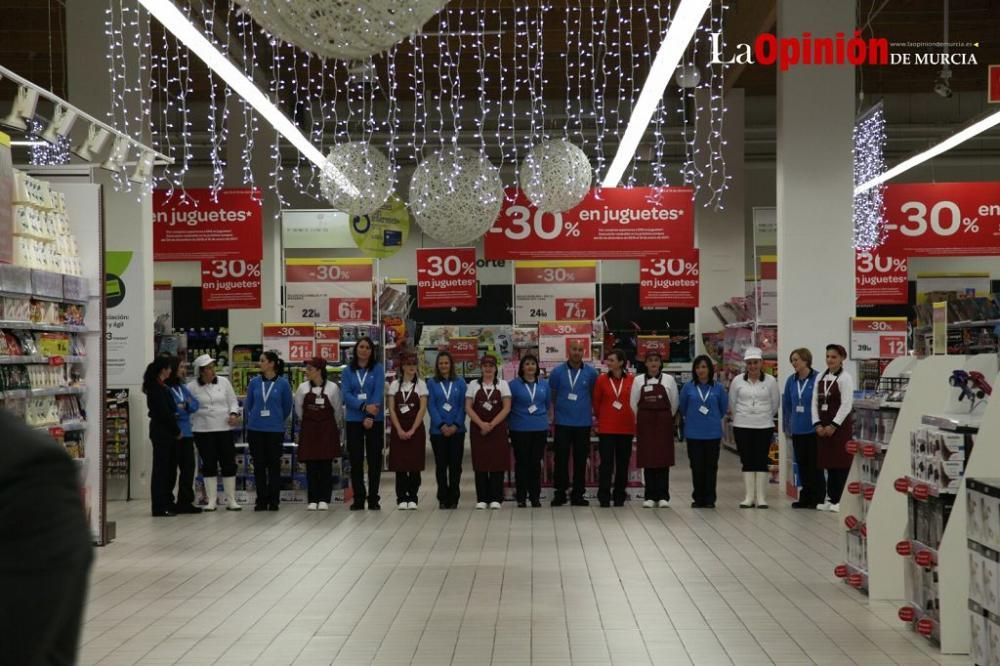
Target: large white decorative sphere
column 343, row 29
column 357, row 179
column 556, row 176
column 455, row 195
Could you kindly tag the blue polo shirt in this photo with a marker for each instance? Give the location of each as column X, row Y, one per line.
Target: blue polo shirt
column 798, row 422
column 521, row 418
column 577, row 413
column 713, row 397
column 369, row 382
column 438, row 396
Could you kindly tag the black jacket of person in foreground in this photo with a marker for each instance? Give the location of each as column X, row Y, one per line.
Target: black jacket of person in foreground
column 45, row 548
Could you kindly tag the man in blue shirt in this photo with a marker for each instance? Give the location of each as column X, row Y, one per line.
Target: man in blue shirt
column 571, row 386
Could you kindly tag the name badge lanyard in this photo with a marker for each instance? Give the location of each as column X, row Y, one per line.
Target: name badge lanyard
column 827, row 383
column 446, row 390
column 406, row 396
column 801, row 387
column 361, row 379
column 618, row 392
column 265, row 391
column 704, row 396
column 489, row 392
column 573, row 380
column 179, row 394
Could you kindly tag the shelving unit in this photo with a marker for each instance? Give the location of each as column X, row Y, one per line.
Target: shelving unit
column 983, row 533
column 117, row 426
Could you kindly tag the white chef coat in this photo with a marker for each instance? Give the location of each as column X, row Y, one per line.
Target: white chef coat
column 754, row 404
column 217, row 400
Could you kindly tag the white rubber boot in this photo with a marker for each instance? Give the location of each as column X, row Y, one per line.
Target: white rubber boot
column 761, row 479
column 748, row 486
column 211, row 490
column 229, row 485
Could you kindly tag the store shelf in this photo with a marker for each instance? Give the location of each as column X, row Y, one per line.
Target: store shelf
column 933, row 490
column 953, row 422
column 68, row 426
column 40, row 360
column 47, row 328
column 24, row 394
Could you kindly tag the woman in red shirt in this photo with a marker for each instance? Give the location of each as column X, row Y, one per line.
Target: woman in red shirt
column 615, row 428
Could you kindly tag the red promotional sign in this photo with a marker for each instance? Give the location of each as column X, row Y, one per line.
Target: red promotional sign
column 446, row 277
column 610, row 223
column 293, row 342
column 878, row 337
column 942, row 219
column 195, row 228
column 351, row 310
column 576, row 308
column 230, row 284
column 651, row 343
column 328, row 343
column 464, row 349
column 880, row 278
column 669, row 282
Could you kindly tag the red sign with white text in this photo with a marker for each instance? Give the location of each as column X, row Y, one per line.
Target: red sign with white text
column 610, row 223
column 576, row 308
column 555, row 338
column 942, row 219
column 230, row 284
column 878, row 337
column 880, row 278
column 669, row 282
column 650, row 343
column 351, row 310
column 328, row 343
column 446, row 277
column 295, row 343
column 464, row 349
column 189, row 226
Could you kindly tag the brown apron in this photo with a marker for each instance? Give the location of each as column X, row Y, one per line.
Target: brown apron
column 407, row 455
column 832, row 453
column 490, row 453
column 654, row 427
column 319, row 437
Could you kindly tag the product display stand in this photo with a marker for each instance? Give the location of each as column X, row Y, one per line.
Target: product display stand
column 983, row 533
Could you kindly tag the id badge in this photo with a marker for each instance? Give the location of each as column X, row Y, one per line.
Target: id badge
column 264, row 413
column 532, row 409
column 447, row 407
column 362, row 396
column 320, row 400
column 799, row 409
column 616, row 405
column 647, row 389
column 181, row 404
column 572, row 396
column 824, row 407
column 404, row 409
column 704, row 410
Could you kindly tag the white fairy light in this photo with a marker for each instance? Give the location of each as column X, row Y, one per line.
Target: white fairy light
column 869, row 163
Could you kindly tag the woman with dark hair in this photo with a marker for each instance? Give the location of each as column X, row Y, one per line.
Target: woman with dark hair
column 703, row 405
column 529, row 427
column 487, row 403
column 832, row 403
column 320, row 410
column 615, row 428
column 186, row 405
column 445, row 402
column 218, row 413
column 654, row 402
column 164, row 433
column 266, row 409
column 363, row 386
column 796, row 413
column 408, row 439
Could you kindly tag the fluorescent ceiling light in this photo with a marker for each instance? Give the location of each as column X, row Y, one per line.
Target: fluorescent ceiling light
column 961, row 136
column 173, row 20
column 30, row 144
column 682, row 29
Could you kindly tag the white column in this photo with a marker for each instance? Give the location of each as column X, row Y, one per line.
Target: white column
column 814, row 182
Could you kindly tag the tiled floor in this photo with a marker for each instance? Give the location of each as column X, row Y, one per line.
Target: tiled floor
column 541, row 586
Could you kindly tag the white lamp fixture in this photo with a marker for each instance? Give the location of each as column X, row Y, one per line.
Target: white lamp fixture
column 682, row 29
column 23, row 108
column 143, row 168
column 60, row 125
column 119, row 153
column 93, row 145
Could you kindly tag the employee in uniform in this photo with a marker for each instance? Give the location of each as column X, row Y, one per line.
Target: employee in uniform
column 164, row 433
column 267, row 407
column 703, row 404
column 320, row 410
column 754, row 400
column 796, row 414
column 654, row 401
column 363, row 386
column 572, row 386
column 408, row 439
column 218, row 413
column 615, row 428
column 185, row 405
column 487, row 403
column 529, row 429
column 446, row 404
column 832, row 404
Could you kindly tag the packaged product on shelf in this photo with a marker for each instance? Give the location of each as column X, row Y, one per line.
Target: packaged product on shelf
column 27, row 342
column 16, row 309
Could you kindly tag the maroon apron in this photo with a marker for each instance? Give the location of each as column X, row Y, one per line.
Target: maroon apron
column 407, row 455
column 490, row 453
column 319, row 437
column 832, row 453
column 654, row 427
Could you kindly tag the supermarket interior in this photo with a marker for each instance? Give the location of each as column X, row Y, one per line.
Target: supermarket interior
column 512, row 332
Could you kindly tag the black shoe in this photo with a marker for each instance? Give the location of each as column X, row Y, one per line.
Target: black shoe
column 260, row 507
column 709, row 506
column 358, row 506
column 444, row 505
column 163, row 514
column 374, row 506
column 605, row 504
column 522, row 504
column 697, row 505
column 558, row 501
column 188, row 509
column 535, row 504
column 453, row 505
column 273, row 507
column 801, row 505
column 579, row 502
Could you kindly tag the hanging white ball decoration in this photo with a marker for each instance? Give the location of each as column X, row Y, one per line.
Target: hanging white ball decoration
column 556, row 176
column 358, row 178
column 455, row 195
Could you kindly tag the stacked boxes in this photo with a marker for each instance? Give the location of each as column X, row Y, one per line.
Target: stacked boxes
column 42, row 236
column 937, row 457
column 983, row 533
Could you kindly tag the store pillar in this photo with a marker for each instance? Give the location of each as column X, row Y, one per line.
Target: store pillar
column 815, row 111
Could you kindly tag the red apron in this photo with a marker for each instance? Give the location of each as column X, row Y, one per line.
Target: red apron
column 319, row 437
column 490, row 453
column 654, row 428
column 832, row 453
column 407, row 455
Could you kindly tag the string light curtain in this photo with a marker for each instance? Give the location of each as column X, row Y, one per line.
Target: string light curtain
column 869, row 162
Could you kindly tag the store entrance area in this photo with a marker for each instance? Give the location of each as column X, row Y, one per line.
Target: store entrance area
column 516, row 586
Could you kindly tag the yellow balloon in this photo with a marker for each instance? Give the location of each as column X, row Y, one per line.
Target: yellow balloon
column 383, row 233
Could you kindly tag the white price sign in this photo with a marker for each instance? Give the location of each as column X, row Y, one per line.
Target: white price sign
column 878, row 337
column 551, row 290
column 329, row 290
column 555, row 337
column 295, row 343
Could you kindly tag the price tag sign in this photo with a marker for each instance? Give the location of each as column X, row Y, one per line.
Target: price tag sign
column 650, row 343
column 555, row 338
column 670, row 281
column 293, row 342
column 464, row 349
column 230, row 284
column 576, row 308
column 878, row 337
column 446, row 277
column 329, row 290
column 881, row 278
column 350, row 310
column 942, row 219
column 541, row 286
column 328, row 342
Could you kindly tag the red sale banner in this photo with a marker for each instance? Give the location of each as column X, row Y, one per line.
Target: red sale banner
column 878, row 337
column 576, row 308
column 189, row 226
column 555, row 337
column 880, row 278
column 329, row 290
column 669, row 282
column 650, row 343
column 230, row 284
column 942, row 219
column 446, row 277
column 328, row 343
column 294, row 342
column 464, row 349
column 351, row 310
column 610, row 223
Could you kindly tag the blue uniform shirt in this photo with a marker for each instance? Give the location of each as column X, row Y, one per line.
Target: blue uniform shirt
column 267, row 415
column 522, row 419
column 798, row 421
column 697, row 423
column 185, row 404
column 568, row 412
column 370, row 383
column 438, row 396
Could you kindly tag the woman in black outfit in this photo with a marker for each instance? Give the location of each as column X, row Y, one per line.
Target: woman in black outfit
column 165, row 433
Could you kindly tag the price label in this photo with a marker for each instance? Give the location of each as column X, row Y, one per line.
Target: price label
column 293, row 342
column 446, row 277
column 329, row 290
column 891, row 346
column 464, row 349
column 328, row 343
column 650, row 343
column 350, row 310
column 873, row 338
column 942, row 219
column 575, row 308
column 670, row 281
column 546, row 290
column 556, row 337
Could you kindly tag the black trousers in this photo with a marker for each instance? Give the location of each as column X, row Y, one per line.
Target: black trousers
column 704, row 457
column 810, row 475
column 529, row 450
column 448, row 455
column 575, row 439
column 835, row 480
column 489, row 487
column 616, row 452
column 362, row 443
column 407, row 486
column 754, row 444
column 657, row 483
column 185, row 472
column 217, row 452
column 319, row 480
column 266, row 448
column 164, row 475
